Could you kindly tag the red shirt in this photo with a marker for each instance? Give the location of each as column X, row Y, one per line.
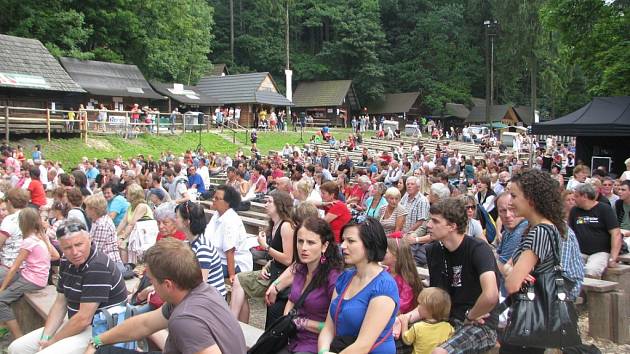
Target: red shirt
column 277, row 173
column 340, row 209
column 38, row 195
column 178, row 235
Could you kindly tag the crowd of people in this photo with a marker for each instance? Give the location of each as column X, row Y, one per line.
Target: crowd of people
column 347, row 235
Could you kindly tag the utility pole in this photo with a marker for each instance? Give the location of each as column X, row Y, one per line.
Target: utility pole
column 232, row 30
column 287, row 71
column 491, row 32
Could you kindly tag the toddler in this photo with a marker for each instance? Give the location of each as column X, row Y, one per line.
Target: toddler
column 434, row 307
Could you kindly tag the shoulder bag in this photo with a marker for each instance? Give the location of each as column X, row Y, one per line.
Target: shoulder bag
column 541, row 316
column 277, row 336
column 339, row 343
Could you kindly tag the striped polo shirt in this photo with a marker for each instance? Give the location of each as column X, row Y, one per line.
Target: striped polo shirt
column 209, row 259
column 96, row 280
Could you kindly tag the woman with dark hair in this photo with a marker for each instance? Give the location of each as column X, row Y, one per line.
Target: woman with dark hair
column 191, row 220
column 81, row 182
column 536, row 197
column 337, row 212
column 365, row 300
column 277, row 240
column 317, row 263
column 485, row 195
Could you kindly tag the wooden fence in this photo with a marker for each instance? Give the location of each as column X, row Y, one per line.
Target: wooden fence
column 24, row 120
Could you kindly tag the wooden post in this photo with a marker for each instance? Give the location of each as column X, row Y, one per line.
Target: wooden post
column 6, row 124
column 157, row 124
column 183, row 123
column 48, row 122
column 126, row 127
column 85, row 128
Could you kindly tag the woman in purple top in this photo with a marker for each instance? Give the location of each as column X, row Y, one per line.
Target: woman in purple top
column 319, row 262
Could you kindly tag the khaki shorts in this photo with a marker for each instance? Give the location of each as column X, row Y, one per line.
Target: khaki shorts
column 252, row 284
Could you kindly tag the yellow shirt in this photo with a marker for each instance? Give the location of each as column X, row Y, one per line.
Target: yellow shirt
column 427, row 336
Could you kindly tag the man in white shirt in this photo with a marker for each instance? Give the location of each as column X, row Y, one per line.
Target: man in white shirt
column 227, row 233
column 203, row 171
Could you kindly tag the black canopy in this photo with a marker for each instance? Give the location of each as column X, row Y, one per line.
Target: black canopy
column 603, row 116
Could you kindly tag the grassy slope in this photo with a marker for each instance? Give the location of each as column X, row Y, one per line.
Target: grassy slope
column 70, row 151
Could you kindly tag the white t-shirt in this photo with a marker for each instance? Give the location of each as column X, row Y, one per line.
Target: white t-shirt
column 205, row 175
column 10, row 228
column 226, row 232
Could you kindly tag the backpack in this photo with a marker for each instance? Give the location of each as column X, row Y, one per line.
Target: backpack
column 108, row 318
column 487, row 222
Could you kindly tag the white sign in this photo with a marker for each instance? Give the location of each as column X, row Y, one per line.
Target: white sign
column 21, row 80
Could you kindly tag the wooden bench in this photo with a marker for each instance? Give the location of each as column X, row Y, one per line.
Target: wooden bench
column 619, row 274
column 32, row 310
column 625, row 258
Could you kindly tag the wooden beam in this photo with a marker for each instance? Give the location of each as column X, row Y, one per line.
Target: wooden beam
column 6, row 124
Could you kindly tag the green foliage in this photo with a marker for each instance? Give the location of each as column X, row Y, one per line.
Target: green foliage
column 168, row 40
column 570, row 50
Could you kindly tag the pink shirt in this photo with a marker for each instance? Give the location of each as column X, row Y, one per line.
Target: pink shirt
column 37, row 264
column 406, row 294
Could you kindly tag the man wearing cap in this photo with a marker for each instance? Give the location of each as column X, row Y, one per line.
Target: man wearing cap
column 89, row 281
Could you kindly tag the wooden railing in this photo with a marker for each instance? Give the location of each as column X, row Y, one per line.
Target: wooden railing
column 34, row 120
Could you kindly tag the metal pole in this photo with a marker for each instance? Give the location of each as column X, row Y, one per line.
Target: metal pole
column 157, row 124
column 491, row 74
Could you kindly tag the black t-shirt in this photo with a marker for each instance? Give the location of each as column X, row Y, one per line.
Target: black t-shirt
column 592, row 227
column 458, row 273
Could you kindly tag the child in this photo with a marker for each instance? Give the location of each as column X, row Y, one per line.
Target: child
column 434, row 306
column 402, row 268
column 35, row 255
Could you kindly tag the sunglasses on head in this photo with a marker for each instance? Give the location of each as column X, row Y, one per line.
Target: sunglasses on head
column 64, row 230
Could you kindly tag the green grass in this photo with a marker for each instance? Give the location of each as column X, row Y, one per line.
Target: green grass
column 276, row 140
column 69, row 151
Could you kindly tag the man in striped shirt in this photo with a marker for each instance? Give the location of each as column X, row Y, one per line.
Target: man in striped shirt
column 89, row 281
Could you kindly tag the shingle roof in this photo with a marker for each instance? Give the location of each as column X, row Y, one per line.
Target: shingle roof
column 325, row 94
column 525, row 114
column 478, row 113
column 218, row 70
column 457, row 110
column 394, row 103
column 185, row 94
column 109, row 79
column 243, row 88
column 26, row 63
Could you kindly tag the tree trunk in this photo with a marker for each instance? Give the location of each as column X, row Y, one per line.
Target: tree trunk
column 533, row 68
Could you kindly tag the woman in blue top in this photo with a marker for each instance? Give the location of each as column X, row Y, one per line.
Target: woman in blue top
column 376, row 200
column 364, row 296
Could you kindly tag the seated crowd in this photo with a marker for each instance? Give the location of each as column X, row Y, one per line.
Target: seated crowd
column 341, row 249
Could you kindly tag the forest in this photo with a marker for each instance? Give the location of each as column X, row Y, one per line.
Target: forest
column 560, row 52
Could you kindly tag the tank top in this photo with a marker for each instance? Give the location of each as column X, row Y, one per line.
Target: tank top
column 276, row 243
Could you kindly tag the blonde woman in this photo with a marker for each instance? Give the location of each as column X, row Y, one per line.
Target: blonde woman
column 138, row 229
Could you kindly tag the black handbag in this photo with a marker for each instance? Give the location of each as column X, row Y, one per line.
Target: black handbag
column 540, row 314
column 277, row 336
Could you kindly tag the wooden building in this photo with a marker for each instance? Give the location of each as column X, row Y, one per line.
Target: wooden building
column 248, row 94
column 451, row 115
column 328, row 102
column 185, row 97
column 505, row 114
column 117, row 86
column 402, row 107
column 31, row 77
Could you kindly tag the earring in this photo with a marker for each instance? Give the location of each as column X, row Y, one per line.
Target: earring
column 322, row 259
